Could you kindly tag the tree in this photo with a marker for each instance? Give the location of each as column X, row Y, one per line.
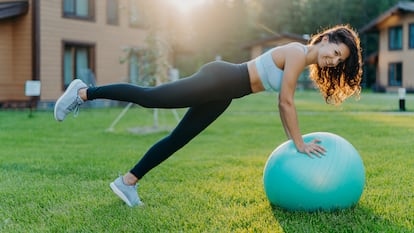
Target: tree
column 223, row 27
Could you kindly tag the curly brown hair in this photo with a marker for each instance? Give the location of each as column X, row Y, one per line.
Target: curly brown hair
column 342, row 81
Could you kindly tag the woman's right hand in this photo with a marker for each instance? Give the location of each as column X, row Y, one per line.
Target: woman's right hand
column 312, row 149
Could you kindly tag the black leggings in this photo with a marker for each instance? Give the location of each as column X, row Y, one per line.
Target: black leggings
column 208, row 93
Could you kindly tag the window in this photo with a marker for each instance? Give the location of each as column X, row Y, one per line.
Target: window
column 411, row 36
column 112, row 12
column 395, row 38
column 82, row 9
column 78, row 62
column 136, row 16
column 395, row 74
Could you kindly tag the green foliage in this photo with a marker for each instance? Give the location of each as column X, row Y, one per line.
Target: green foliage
column 145, row 59
column 225, row 27
column 150, row 61
column 55, row 176
column 309, row 16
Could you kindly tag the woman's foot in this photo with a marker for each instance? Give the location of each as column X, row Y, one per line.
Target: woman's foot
column 70, row 100
column 128, row 193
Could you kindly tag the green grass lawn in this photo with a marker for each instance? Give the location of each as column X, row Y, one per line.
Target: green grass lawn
column 55, row 176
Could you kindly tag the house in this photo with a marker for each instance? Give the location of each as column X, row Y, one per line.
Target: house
column 260, row 46
column 395, row 56
column 53, row 42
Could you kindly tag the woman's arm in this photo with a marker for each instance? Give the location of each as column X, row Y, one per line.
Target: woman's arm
column 294, row 65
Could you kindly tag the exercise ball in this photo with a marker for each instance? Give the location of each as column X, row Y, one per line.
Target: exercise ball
column 297, row 182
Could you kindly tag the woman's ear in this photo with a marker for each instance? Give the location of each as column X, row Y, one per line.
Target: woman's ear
column 325, row 38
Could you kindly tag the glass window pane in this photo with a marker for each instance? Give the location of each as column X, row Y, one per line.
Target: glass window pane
column 77, row 63
column 81, row 62
column 395, row 38
column 67, row 67
column 399, row 74
column 395, row 74
column 399, row 38
column 112, row 12
column 411, row 36
column 136, row 16
column 69, row 6
column 82, row 8
column 133, row 69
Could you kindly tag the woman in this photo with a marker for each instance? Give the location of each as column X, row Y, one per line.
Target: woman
column 334, row 56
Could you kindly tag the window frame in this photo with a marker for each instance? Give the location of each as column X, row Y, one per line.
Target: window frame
column 91, row 48
column 89, row 17
column 390, row 44
column 393, row 81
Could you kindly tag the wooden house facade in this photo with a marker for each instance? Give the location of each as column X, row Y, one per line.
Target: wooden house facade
column 53, row 42
column 395, row 57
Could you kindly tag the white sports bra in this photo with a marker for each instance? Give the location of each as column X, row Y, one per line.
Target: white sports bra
column 270, row 75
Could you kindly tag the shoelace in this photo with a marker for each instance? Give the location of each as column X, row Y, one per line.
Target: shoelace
column 136, row 201
column 75, row 106
column 120, row 175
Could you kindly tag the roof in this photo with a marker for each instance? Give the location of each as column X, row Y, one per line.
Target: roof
column 399, row 8
column 13, row 9
column 301, row 38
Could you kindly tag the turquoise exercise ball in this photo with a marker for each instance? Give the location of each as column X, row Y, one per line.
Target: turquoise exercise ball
column 294, row 181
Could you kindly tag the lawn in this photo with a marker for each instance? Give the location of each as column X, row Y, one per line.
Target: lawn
column 55, row 176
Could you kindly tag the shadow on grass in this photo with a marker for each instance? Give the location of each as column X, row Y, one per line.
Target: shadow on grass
column 357, row 219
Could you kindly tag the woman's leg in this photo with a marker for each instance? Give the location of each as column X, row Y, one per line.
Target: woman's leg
column 195, row 120
column 215, row 81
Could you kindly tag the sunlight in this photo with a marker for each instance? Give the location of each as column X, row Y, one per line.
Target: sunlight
column 185, row 6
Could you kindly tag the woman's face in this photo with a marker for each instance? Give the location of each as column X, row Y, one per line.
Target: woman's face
column 331, row 54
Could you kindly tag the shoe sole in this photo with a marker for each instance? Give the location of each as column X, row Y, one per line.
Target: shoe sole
column 120, row 194
column 70, row 87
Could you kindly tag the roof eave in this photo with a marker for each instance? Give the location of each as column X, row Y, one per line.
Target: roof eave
column 372, row 26
column 13, row 9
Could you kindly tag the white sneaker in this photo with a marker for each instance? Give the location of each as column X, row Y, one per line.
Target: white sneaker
column 128, row 193
column 70, row 100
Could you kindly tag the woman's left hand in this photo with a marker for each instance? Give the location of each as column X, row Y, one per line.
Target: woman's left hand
column 313, row 149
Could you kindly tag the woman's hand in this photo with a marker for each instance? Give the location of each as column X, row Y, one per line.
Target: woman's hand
column 312, row 148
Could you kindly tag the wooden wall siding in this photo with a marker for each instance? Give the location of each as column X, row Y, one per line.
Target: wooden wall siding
column 109, row 41
column 15, row 56
column 6, row 71
column 406, row 55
